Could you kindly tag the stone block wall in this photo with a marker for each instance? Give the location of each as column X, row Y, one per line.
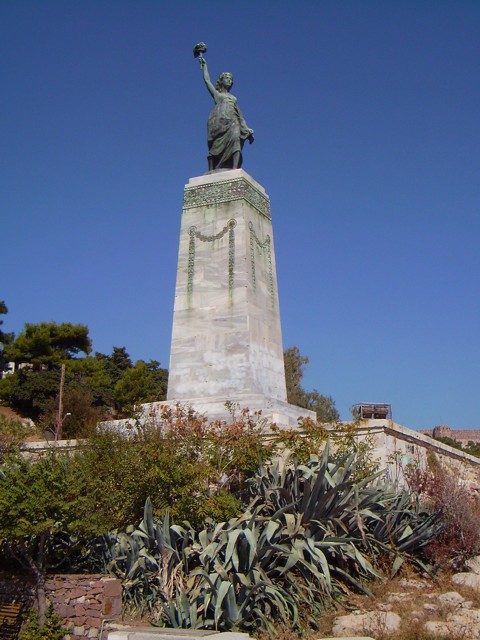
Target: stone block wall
column 84, row 601
column 463, row 436
column 396, row 447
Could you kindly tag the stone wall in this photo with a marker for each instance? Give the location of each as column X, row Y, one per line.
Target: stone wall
column 466, row 435
column 463, row 436
column 396, row 447
column 84, row 601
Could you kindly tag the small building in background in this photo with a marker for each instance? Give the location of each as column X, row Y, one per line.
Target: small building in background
column 373, row 411
column 8, row 370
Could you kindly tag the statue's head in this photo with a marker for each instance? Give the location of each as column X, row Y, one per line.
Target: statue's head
column 225, row 81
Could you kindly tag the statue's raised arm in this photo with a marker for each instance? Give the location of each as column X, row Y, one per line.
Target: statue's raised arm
column 227, row 129
column 206, row 77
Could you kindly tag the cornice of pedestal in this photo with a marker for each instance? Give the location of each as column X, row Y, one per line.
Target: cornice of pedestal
column 223, row 186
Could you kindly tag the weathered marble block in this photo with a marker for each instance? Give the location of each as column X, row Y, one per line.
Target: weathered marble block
column 226, row 337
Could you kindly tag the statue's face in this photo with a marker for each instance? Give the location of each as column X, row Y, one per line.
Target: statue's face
column 227, row 80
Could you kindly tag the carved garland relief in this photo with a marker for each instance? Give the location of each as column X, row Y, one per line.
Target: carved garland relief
column 194, row 234
column 263, row 246
column 229, row 228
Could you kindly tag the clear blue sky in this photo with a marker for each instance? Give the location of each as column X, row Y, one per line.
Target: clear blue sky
column 366, row 116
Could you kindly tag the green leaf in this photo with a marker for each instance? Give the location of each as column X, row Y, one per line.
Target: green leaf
column 221, row 593
column 397, row 563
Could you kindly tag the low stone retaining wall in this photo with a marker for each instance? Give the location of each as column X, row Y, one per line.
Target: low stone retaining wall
column 84, row 601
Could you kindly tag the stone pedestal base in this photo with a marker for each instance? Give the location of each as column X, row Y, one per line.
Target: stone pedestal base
column 276, row 412
column 226, row 335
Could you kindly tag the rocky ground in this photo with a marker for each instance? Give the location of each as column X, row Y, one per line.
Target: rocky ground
column 414, row 609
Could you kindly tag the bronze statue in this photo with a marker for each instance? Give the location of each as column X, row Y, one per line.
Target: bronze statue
column 227, row 129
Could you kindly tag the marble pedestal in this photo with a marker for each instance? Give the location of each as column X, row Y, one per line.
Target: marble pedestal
column 226, row 337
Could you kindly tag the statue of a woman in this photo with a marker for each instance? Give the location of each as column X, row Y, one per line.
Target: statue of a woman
column 227, row 129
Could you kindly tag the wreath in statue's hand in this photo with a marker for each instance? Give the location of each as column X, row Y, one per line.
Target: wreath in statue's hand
column 199, row 49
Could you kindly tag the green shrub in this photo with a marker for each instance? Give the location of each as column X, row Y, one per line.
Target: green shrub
column 12, row 433
column 51, row 630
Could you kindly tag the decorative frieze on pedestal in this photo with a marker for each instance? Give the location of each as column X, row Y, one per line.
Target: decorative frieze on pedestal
column 227, row 190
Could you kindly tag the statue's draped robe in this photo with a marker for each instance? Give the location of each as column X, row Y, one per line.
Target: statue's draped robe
column 227, row 131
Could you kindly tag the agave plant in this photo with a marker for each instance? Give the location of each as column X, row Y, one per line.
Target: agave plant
column 336, row 509
column 310, row 509
column 228, row 588
column 149, row 559
column 310, row 532
column 210, row 579
column 400, row 528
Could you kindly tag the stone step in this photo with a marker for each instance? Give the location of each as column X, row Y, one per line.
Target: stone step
column 150, row 633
